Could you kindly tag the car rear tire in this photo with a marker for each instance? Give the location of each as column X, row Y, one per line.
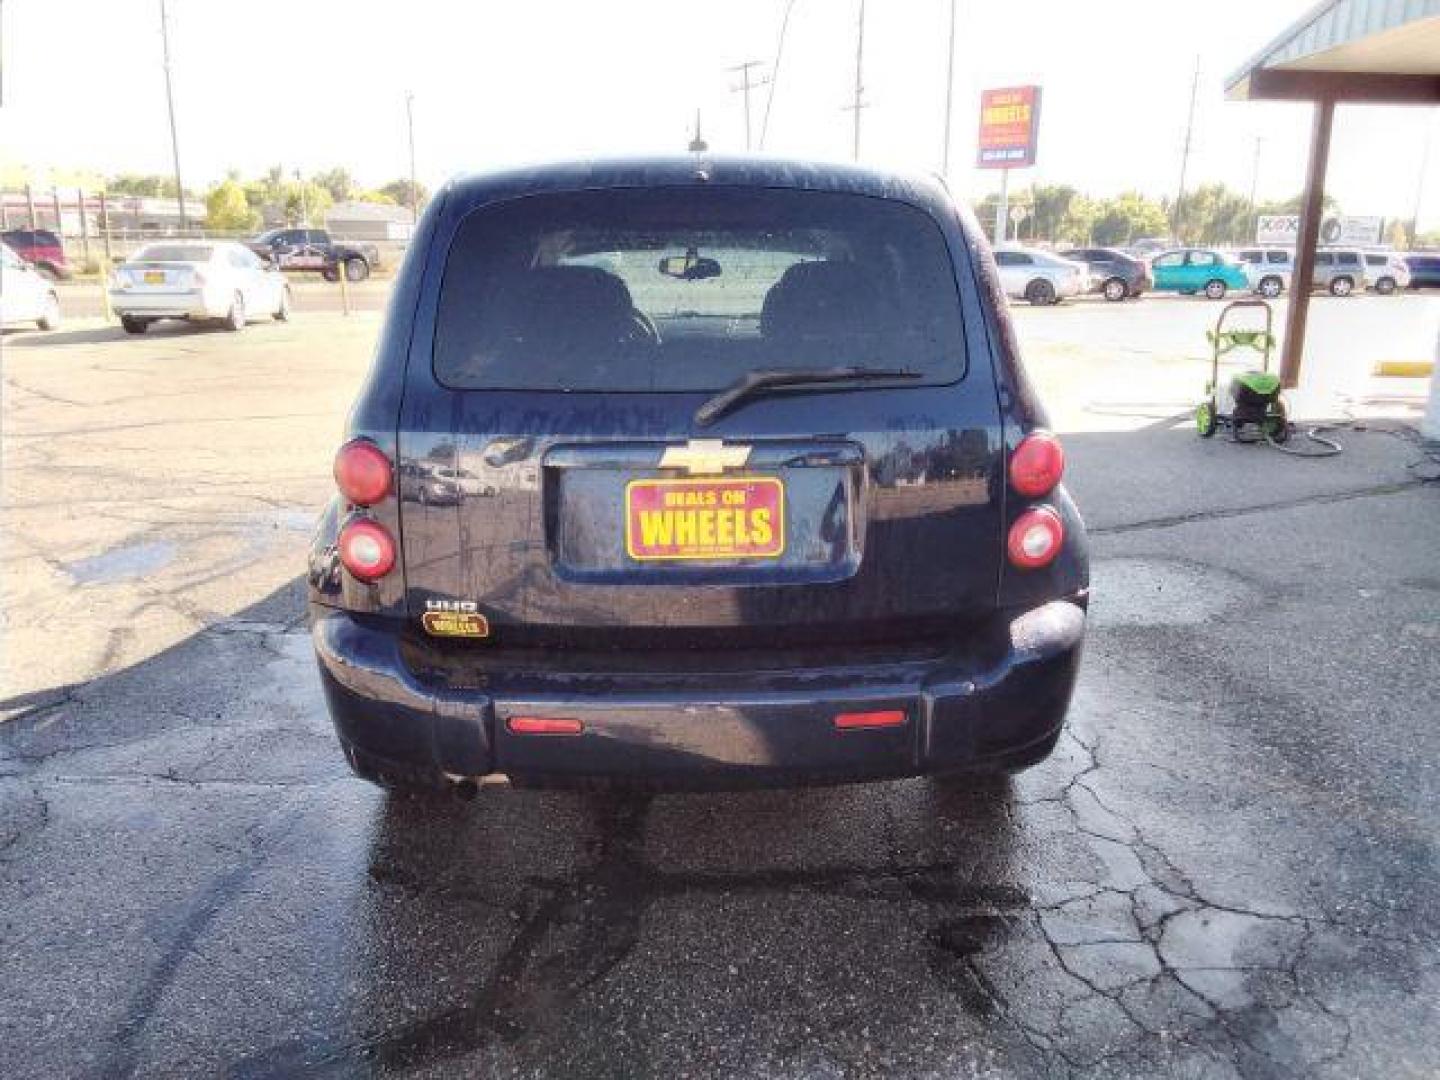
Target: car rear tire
column 1270, row 287
column 1040, row 293
column 329, row 275
column 133, row 325
column 50, row 314
column 1342, row 286
column 356, row 269
column 1216, row 289
column 1385, row 286
column 282, row 313
column 235, row 317
column 1115, row 289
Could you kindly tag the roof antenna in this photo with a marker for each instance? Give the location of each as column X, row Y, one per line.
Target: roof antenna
column 698, row 145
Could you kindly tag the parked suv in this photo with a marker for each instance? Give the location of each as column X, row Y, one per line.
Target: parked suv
column 1342, row 272
column 1386, row 271
column 1270, row 270
column 41, row 248
column 1424, row 270
column 1116, row 275
column 761, row 492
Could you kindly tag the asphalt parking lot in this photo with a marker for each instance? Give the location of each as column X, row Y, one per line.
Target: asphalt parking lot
column 1228, row 869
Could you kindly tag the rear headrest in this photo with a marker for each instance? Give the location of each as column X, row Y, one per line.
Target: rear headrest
column 822, row 299
column 562, row 305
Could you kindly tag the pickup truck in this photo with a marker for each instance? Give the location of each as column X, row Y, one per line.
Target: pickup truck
column 315, row 250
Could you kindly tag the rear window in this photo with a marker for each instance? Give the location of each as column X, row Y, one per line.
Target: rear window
column 690, row 289
column 174, row 253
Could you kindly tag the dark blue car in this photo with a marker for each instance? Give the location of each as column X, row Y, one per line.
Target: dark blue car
column 697, row 472
column 1424, row 271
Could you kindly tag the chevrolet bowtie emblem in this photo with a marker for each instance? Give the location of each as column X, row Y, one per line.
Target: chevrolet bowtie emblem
column 704, row 457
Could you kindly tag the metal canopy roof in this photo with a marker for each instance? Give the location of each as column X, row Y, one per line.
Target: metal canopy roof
column 1350, row 50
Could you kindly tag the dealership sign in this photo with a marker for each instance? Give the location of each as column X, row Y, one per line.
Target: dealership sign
column 1284, row 229
column 1009, row 126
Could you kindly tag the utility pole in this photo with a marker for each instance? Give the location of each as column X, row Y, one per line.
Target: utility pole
column 410, row 127
column 859, row 102
column 170, row 104
column 949, row 95
column 304, row 202
column 775, row 71
column 1185, row 154
column 1420, row 185
column 1254, row 185
column 744, row 89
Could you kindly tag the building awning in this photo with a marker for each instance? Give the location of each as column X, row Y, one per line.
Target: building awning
column 1377, row 51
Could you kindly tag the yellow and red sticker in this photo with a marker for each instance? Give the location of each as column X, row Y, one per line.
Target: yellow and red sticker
column 741, row 517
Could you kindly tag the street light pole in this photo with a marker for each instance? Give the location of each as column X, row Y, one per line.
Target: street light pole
column 170, row 104
column 410, row 127
column 1185, row 155
column 949, row 95
column 744, row 89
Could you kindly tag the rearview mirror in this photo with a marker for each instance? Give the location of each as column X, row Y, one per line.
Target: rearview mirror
column 689, row 267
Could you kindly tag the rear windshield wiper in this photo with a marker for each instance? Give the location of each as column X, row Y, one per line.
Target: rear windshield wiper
column 764, row 379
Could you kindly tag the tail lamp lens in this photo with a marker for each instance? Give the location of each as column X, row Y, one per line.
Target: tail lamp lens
column 367, row 549
column 362, row 472
column 1037, row 464
column 1035, row 538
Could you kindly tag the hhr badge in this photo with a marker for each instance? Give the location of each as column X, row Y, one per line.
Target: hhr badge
column 455, row 618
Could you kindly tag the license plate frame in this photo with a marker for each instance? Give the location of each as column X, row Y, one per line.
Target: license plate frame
column 735, row 501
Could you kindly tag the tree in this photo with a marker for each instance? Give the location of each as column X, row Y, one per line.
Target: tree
column 1213, row 214
column 373, row 196
column 1049, row 203
column 1126, row 217
column 305, row 203
column 148, row 185
column 399, row 190
column 338, row 182
column 227, row 209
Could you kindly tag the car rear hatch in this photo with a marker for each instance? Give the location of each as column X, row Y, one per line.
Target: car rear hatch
column 164, row 268
column 597, row 454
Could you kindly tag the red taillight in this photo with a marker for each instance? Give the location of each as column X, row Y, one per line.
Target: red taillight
column 367, row 549
column 544, row 725
column 1035, row 538
column 851, row 721
column 362, row 472
column 1037, row 464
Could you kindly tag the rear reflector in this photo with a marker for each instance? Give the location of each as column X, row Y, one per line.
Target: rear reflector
column 362, row 472
column 544, row 725
column 849, row 721
column 1035, row 538
column 366, row 549
column 1037, row 464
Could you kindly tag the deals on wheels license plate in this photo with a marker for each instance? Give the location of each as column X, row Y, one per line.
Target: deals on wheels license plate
column 740, row 517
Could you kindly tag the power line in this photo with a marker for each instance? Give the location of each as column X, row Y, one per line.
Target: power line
column 859, row 100
column 949, row 94
column 1185, row 153
column 410, row 129
column 775, row 71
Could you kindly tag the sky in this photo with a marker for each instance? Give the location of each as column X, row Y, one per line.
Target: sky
column 314, row 83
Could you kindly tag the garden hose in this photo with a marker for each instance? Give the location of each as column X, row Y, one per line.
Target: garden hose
column 1328, row 447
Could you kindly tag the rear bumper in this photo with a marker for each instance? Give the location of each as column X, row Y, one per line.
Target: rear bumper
column 189, row 304
column 993, row 702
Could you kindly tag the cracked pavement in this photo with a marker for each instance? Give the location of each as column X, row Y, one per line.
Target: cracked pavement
column 1227, row 869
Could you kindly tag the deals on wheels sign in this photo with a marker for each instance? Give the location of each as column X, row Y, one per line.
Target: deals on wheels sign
column 1009, row 127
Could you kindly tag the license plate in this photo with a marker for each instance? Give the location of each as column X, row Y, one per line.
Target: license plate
column 154, row 277
column 741, row 517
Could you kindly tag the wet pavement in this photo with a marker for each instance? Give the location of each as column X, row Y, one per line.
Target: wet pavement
column 1228, row 868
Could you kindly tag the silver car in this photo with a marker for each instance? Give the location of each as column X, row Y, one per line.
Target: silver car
column 1040, row 277
column 196, row 280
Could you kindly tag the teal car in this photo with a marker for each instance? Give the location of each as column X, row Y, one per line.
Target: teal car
column 1198, row 270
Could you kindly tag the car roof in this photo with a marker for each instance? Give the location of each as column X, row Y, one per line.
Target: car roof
column 680, row 169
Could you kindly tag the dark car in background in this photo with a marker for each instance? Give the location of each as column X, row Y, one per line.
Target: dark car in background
column 315, row 250
column 1117, row 275
column 696, row 472
column 1424, row 270
column 41, row 248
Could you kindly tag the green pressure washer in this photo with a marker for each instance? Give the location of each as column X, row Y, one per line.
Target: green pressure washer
column 1249, row 404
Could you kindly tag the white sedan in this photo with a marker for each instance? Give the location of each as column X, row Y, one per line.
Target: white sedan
column 1040, row 277
column 196, row 280
column 25, row 296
